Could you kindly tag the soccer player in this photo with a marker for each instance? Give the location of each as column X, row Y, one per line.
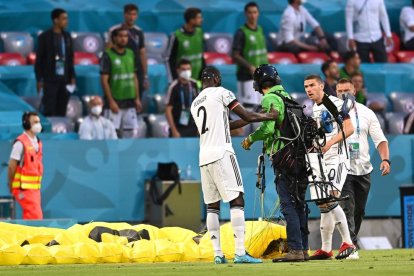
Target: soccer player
column 337, row 167
column 220, row 173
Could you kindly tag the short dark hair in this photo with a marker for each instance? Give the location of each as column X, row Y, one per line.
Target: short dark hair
column 183, row 61
column 56, row 13
column 314, row 77
column 191, row 13
column 344, row 80
column 130, row 7
column 115, row 32
column 357, row 74
column 326, row 65
column 252, row 4
column 349, row 55
column 209, row 73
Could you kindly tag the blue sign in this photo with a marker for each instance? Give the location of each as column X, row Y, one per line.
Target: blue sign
column 409, row 221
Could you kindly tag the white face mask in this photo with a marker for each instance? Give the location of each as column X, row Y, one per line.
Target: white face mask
column 96, row 110
column 186, row 74
column 36, row 128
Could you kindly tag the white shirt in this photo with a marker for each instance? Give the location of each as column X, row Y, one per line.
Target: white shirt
column 367, row 125
column 210, row 111
column 337, row 151
column 17, row 149
column 93, row 128
column 293, row 23
column 407, row 20
column 363, row 18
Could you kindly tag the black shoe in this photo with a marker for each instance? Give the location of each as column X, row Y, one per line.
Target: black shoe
column 291, row 256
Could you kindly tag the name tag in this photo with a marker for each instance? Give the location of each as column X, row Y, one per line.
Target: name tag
column 185, row 118
column 353, row 146
column 60, row 67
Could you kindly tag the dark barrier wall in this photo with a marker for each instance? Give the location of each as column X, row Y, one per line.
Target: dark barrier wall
column 104, row 181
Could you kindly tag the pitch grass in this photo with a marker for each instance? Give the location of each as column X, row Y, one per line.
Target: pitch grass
column 379, row 262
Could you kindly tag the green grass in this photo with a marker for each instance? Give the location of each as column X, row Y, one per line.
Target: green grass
column 380, row 262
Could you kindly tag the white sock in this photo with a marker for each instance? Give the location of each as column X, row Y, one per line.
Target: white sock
column 213, row 227
column 238, row 224
column 341, row 223
column 327, row 228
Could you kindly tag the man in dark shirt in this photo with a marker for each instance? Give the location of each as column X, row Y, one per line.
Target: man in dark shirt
column 249, row 51
column 187, row 43
column 181, row 94
column 136, row 43
column 330, row 70
column 54, row 68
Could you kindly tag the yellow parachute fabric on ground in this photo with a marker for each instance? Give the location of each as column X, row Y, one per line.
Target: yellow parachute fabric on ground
column 39, row 245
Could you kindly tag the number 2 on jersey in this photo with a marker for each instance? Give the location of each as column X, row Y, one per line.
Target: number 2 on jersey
column 204, row 129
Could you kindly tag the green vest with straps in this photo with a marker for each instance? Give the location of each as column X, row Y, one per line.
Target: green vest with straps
column 267, row 131
column 191, row 47
column 122, row 75
column 254, row 51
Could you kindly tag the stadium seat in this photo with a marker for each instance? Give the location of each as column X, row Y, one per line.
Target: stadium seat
column 395, row 122
column 82, row 58
column 160, row 103
column 156, row 44
column 405, row 56
column 61, row 124
column 12, row 59
column 312, row 57
column 302, row 99
column 218, row 42
column 142, row 128
column 155, row 59
column 381, row 120
column 402, row 102
column 34, row 101
column 17, row 42
column 281, row 58
column 217, row 58
column 31, row 58
column 342, row 42
column 74, row 109
column 377, row 97
column 88, row 42
column 158, row 125
column 273, row 41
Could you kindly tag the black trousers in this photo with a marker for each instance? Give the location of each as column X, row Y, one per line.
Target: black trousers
column 55, row 99
column 357, row 188
column 409, row 45
column 377, row 48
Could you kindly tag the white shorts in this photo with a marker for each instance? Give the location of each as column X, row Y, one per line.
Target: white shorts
column 221, row 180
column 125, row 119
column 335, row 171
column 246, row 93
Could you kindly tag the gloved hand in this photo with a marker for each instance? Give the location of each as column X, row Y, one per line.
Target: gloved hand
column 246, row 143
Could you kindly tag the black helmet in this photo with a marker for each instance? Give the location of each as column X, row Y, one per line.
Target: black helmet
column 265, row 73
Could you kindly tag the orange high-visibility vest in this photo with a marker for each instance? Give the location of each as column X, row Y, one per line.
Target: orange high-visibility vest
column 29, row 176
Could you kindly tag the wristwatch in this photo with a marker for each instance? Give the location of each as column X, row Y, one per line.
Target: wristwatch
column 387, row 160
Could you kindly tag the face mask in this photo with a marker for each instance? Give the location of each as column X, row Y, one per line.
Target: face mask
column 96, row 110
column 36, row 128
column 186, row 74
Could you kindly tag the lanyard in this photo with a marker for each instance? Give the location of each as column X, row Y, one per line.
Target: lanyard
column 63, row 46
column 357, row 120
column 190, row 96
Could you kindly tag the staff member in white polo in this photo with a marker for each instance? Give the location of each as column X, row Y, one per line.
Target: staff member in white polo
column 358, row 181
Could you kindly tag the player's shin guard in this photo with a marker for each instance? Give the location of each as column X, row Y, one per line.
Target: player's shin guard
column 238, row 224
column 341, row 223
column 213, row 227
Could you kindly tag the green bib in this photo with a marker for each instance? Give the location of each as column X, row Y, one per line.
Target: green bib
column 254, row 51
column 191, row 47
column 122, row 75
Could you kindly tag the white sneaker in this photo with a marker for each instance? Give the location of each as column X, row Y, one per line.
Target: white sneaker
column 353, row 256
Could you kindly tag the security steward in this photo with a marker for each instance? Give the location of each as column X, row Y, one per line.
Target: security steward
column 267, row 82
column 26, row 168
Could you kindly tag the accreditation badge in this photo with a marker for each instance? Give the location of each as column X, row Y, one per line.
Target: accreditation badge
column 185, row 118
column 353, row 145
